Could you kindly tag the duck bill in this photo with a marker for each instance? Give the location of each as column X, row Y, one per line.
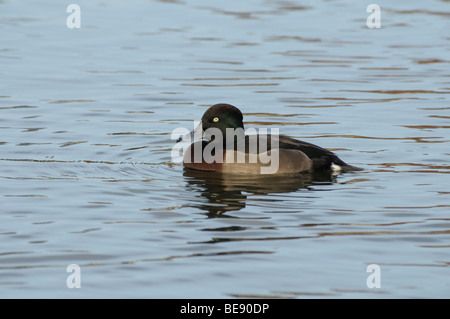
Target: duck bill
column 195, row 135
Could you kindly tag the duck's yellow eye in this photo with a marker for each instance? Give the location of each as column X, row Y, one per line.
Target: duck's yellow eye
column 216, row 119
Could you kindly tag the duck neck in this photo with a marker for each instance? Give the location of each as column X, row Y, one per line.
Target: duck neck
column 233, row 135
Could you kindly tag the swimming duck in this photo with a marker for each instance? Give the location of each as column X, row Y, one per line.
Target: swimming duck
column 223, row 146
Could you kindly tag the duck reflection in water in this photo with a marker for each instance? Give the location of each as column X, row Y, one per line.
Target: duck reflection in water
column 229, row 192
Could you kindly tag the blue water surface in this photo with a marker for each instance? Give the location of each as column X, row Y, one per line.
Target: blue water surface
column 87, row 176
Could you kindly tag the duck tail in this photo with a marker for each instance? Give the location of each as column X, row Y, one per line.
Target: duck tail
column 339, row 165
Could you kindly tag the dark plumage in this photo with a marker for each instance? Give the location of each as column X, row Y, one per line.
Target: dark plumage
column 295, row 154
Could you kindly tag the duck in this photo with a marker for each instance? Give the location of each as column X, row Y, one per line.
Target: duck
column 222, row 145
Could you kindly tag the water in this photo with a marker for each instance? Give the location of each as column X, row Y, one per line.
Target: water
column 86, row 175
